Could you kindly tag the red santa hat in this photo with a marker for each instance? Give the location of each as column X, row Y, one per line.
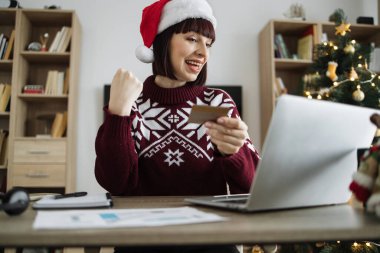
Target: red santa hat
column 164, row 13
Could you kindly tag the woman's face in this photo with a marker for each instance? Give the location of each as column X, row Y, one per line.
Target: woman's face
column 189, row 52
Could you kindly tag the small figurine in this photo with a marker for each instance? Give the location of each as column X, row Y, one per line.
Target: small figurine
column 366, row 181
column 44, row 40
column 296, row 11
column 34, row 46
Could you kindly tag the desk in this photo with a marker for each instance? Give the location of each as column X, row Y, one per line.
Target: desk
column 341, row 222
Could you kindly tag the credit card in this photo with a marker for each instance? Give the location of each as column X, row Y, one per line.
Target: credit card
column 201, row 113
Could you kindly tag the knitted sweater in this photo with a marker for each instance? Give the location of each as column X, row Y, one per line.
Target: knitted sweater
column 155, row 151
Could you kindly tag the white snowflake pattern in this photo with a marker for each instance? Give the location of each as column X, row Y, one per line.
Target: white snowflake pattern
column 174, row 157
column 153, row 119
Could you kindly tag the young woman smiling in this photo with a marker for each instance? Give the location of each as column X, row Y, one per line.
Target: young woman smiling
column 146, row 146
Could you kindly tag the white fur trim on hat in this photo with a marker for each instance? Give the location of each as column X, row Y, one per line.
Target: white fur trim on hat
column 144, row 54
column 176, row 11
column 363, row 180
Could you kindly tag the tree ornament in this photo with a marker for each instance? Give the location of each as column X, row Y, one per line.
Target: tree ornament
column 365, row 66
column 331, row 71
column 353, row 75
column 342, row 29
column 358, row 95
column 349, row 49
column 257, row 249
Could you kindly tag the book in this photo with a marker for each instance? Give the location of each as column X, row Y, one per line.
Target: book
column 64, row 31
column 5, row 97
column 62, row 126
column 33, row 89
column 60, row 82
column 54, row 44
column 55, row 82
column 2, row 86
column 305, row 47
column 66, row 81
column 48, row 82
column 4, row 147
column 282, row 48
column 280, row 86
column 3, row 46
column 324, row 37
column 57, row 122
column 97, row 200
column 65, row 39
column 8, row 52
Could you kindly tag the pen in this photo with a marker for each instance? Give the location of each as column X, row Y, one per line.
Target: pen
column 69, row 195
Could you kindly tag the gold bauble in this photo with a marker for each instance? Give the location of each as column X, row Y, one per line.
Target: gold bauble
column 358, row 95
column 257, row 249
column 349, row 49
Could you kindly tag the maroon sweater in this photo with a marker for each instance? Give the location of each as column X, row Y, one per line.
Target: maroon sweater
column 155, row 151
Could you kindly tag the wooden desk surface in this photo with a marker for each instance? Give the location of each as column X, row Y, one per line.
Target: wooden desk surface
column 340, row 222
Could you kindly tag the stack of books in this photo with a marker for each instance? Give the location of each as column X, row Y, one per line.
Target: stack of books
column 6, row 45
column 57, row 82
column 61, row 40
column 33, row 89
column 281, row 50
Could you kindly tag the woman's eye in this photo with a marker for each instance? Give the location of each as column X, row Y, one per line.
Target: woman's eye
column 209, row 45
column 192, row 39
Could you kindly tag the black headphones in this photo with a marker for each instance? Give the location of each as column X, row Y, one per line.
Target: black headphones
column 15, row 201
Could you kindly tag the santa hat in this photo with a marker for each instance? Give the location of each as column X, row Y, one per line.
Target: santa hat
column 165, row 13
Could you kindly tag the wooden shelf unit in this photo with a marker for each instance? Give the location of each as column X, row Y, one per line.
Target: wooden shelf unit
column 7, row 24
column 34, row 162
column 292, row 70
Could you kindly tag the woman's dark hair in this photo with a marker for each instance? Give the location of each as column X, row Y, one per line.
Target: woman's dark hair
column 162, row 64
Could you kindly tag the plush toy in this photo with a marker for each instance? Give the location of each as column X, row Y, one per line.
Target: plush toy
column 366, row 181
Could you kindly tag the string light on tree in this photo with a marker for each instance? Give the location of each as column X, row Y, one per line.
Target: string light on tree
column 342, row 70
column 350, row 48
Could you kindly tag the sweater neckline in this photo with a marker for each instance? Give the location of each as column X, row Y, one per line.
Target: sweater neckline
column 170, row 95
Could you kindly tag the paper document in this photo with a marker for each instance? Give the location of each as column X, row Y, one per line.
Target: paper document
column 113, row 218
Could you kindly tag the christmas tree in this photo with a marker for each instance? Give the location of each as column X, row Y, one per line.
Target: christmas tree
column 340, row 71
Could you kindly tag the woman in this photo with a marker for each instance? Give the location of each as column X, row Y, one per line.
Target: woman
column 146, row 146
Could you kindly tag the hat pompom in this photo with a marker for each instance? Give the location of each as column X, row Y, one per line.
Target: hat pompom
column 144, row 54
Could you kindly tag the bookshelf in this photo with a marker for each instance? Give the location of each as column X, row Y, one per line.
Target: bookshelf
column 36, row 160
column 291, row 70
column 7, row 25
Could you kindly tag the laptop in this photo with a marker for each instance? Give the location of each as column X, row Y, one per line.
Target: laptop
column 308, row 157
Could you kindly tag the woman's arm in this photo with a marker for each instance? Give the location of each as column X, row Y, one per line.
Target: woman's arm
column 116, row 166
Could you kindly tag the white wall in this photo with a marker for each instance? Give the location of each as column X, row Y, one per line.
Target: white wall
column 110, row 33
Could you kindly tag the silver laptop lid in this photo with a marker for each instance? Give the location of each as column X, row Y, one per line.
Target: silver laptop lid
column 310, row 153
